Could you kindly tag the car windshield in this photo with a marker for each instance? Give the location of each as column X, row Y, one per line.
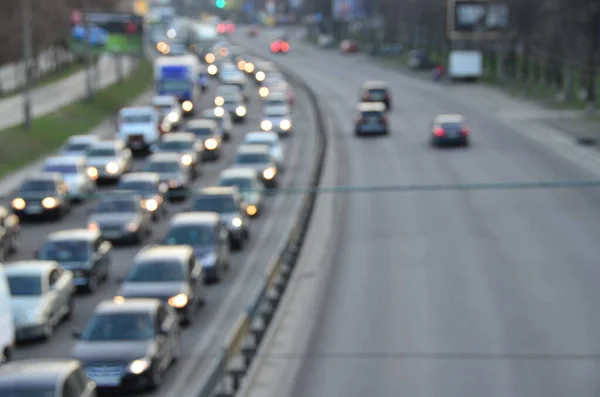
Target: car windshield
column 102, row 153
column 121, row 326
column 175, row 146
column 156, row 272
column 241, row 183
column 66, row 251
column 25, row 285
column 377, row 94
column 163, row 166
column 194, row 235
column 259, row 141
column 116, row 206
column 37, row 186
column 275, row 112
column 201, row 132
column 274, row 103
column 219, row 204
column 136, row 118
column 26, row 391
column 61, row 168
column 251, row 158
column 371, row 114
column 137, row 186
column 77, row 147
column 163, row 108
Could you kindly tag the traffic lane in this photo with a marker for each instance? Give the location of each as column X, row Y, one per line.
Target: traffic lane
column 33, row 235
column 469, row 273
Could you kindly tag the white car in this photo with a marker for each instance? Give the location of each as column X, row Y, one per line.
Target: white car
column 169, row 109
column 74, row 171
column 140, row 127
column 270, row 139
column 78, row 144
column 108, row 160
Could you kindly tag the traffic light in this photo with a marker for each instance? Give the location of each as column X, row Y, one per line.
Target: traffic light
column 220, row 3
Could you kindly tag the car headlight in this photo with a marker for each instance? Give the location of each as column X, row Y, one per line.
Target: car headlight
column 260, row 76
column 173, row 117
column 139, row 366
column 19, row 204
column 187, row 106
column 211, row 144
column 219, row 111
column 210, row 58
column 212, row 69
column 132, row 227
column 219, row 101
column 49, row 203
column 92, row 172
column 93, row 227
column 269, row 173
column 178, row 301
column 251, row 210
column 285, row 125
column 263, row 92
column 240, row 111
column 236, row 222
column 249, row 68
column 150, row 205
column 266, row 125
column 186, row 159
column 241, row 65
column 112, row 168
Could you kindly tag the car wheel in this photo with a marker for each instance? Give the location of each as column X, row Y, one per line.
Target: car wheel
column 176, row 350
column 190, row 314
column 155, row 377
column 48, row 329
column 237, row 244
column 92, row 284
column 6, row 356
column 70, row 308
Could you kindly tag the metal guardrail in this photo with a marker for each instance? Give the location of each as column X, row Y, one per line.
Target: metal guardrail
column 241, row 345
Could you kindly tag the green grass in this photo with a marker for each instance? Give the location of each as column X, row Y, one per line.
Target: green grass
column 21, row 147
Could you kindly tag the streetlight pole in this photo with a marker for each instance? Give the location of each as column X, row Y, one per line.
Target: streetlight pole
column 26, row 14
column 87, row 50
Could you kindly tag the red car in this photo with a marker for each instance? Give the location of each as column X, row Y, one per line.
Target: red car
column 280, row 46
column 348, row 47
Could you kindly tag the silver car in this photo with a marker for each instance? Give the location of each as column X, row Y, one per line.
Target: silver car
column 188, row 146
column 277, row 119
column 234, row 104
column 108, row 160
column 258, row 157
column 78, row 144
column 42, row 295
column 120, row 217
column 247, row 180
column 270, row 139
column 176, row 175
column 74, row 171
column 223, row 120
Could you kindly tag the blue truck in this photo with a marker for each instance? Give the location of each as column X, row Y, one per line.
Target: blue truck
column 178, row 76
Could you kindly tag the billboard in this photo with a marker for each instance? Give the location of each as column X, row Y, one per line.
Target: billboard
column 478, row 19
column 349, row 10
column 115, row 33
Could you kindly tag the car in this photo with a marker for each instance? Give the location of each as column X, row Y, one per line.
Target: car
column 94, row 34
column 45, row 377
column 150, row 188
column 223, row 120
column 376, row 91
column 169, row 273
column 371, row 119
column 258, row 157
column 275, row 100
column 121, row 218
column 279, row 88
column 233, row 103
column 248, row 181
column 211, row 136
column 78, row 144
column 231, row 87
column 42, row 295
column 129, row 344
column 449, row 129
column 108, row 160
column 262, row 68
column 169, row 110
column 187, row 146
column 10, row 233
column 277, row 119
column 280, row 46
column 83, row 252
column 208, row 235
column 140, row 127
column 74, row 170
column 172, row 172
column 228, row 203
column 42, row 194
column 270, row 139
column 348, row 46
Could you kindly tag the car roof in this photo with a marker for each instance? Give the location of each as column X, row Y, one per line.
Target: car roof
column 44, row 176
column 179, row 136
column 140, row 176
column 65, row 160
column 268, row 135
column 73, row 234
column 219, row 190
column 37, row 372
column 253, row 149
column 194, row 218
column 201, row 123
column 238, row 173
column 135, row 305
column 374, row 84
column 371, row 107
column 164, row 157
column 106, row 144
column 276, row 96
column 232, row 87
column 30, row 267
column 163, row 99
column 449, row 118
column 137, row 109
column 164, row 252
column 82, row 138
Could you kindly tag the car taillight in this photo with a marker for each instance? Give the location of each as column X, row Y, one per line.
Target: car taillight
column 438, row 132
column 221, row 28
column 275, row 47
column 285, row 47
column 231, row 28
column 465, row 132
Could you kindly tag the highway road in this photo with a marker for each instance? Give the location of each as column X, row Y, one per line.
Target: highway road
column 226, row 300
column 470, row 293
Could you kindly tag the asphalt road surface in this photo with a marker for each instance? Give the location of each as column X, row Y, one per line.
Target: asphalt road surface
column 450, row 293
column 226, row 300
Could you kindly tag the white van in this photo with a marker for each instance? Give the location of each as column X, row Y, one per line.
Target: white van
column 140, row 127
column 7, row 326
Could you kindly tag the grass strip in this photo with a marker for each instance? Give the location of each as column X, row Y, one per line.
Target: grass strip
column 20, row 147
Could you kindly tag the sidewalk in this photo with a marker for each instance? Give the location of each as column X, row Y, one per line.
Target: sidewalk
column 51, row 97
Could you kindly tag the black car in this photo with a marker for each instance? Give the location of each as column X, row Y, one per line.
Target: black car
column 209, row 237
column 376, row 91
column 449, row 130
column 169, row 273
column 228, row 203
column 10, row 233
column 45, row 378
column 371, row 119
column 149, row 187
column 129, row 344
column 83, row 252
column 43, row 194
